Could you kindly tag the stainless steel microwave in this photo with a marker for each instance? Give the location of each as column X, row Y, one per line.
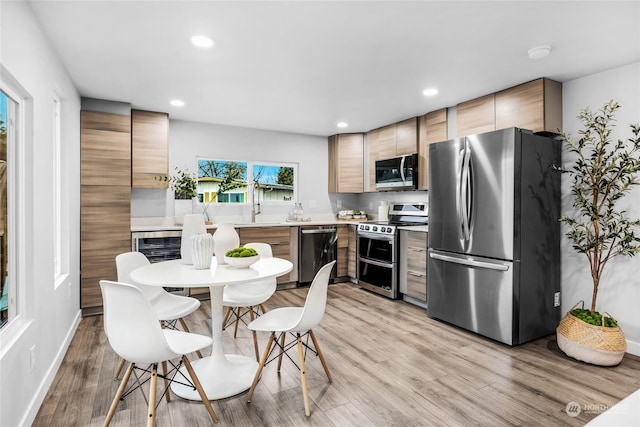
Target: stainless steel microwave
column 397, row 173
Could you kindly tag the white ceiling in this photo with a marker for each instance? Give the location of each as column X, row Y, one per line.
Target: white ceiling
column 303, row 66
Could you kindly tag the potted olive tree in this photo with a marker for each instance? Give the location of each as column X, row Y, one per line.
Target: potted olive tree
column 184, row 185
column 604, row 172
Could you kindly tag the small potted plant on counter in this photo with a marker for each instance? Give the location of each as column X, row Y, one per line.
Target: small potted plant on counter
column 604, row 172
column 184, row 185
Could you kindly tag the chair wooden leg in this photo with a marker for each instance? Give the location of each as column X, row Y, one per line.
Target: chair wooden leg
column 167, row 394
column 263, row 308
column 186, row 329
column 119, row 369
column 255, row 336
column 203, row 395
column 324, row 362
column 303, row 377
column 151, row 418
column 265, row 355
column 116, row 400
column 282, row 338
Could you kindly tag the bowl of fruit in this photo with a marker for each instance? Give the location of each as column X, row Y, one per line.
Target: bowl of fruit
column 241, row 257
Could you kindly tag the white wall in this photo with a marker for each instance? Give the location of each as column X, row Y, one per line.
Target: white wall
column 619, row 292
column 189, row 140
column 49, row 314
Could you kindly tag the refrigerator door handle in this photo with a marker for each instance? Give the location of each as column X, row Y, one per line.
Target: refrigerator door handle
column 459, row 214
column 469, row 262
column 464, row 196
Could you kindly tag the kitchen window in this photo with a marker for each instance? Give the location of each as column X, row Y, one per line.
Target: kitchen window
column 8, row 118
column 228, row 181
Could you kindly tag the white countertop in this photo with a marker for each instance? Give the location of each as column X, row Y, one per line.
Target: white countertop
column 141, row 224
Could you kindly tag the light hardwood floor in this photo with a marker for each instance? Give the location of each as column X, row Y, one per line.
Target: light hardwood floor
column 391, row 366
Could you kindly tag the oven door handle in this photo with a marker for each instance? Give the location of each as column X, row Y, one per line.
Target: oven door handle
column 378, row 263
column 374, row 236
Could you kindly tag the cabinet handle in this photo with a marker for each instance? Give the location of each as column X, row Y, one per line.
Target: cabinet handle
column 411, row 273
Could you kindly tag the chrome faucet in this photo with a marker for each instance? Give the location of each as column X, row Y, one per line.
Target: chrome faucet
column 255, row 204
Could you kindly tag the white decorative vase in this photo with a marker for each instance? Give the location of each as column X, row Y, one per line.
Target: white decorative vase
column 225, row 238
column 202, row 250
column 193, row 224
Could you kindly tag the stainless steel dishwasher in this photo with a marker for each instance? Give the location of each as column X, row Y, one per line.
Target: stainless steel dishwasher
column 317, row 246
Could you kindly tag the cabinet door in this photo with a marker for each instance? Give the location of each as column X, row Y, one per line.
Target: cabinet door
column 334, row 165
column 149, row 148
column 342, row 257
column 476, row 116
column 536, row 106
column 351, row 258
column 279, row 239
column 432, row 128
column 105, row 192
column 351, row 163
column 407, row 136
column 346, row 163
column 413, row 264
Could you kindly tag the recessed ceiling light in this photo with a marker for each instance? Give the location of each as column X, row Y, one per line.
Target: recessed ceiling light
column 202, row 41
column 539, row 52
column 177, row 103
column 342, row 124
column 430, row 91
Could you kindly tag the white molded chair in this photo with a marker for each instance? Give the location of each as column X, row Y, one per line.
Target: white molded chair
column 135, row 335
column 299, row 321
column 168, row 307
column 248, row 296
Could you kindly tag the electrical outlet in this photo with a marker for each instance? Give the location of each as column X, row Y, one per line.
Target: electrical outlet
column 339, row 203
column 556, row 299
column 32, row 358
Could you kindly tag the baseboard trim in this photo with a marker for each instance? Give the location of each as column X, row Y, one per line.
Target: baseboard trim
column 47, row 381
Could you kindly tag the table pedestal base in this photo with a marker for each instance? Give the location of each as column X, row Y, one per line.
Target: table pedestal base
column 220, row 377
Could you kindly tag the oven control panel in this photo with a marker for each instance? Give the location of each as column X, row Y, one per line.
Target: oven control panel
column 377, row 228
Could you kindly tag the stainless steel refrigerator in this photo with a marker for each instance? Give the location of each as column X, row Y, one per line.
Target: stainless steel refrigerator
column 494, row 234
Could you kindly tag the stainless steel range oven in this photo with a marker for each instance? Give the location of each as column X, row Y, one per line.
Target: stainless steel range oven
column 378, row 250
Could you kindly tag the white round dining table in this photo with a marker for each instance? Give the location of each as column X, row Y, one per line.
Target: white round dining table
column 222, row 375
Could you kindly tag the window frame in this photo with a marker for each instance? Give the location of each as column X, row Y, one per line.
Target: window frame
column 249, row 179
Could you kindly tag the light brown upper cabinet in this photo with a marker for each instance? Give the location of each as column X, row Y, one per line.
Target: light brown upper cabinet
column 389, row 141
column 432, row 127
column 105, row 197
column 476, row 116
column 149, row 148
column 346, row 163
column 536, row 106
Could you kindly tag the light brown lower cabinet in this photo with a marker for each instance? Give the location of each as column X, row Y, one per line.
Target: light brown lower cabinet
column 280, row 239
column 413, row 264
column 342, row 257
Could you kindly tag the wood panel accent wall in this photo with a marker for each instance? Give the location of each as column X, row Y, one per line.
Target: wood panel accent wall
column 432, row 127
column 149, row 148
column 105, row 198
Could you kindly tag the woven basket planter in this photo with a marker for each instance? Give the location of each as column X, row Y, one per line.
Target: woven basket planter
column 598, row 345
